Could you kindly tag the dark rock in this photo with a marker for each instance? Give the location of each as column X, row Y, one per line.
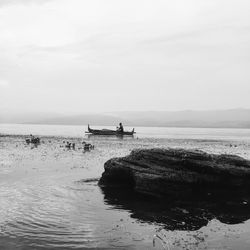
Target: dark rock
column 35, row 140
column 178, row 172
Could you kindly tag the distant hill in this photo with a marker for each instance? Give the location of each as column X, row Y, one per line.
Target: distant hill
column 93, row 119
column 54, row 118
column 31, row 117
column 234, row 118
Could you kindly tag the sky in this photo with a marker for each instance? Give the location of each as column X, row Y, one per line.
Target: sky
column 78, row 56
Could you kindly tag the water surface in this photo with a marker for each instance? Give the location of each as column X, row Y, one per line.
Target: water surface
column 50, row 198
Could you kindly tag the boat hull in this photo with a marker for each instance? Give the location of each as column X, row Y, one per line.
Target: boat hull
column 109, row 132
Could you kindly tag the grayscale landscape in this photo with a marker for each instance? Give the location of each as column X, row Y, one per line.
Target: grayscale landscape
column 124, row 125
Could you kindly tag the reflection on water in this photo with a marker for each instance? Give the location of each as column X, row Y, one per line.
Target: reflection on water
column 107, row 137
column 190, row 213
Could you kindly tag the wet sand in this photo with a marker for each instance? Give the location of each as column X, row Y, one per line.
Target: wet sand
column 50, row 200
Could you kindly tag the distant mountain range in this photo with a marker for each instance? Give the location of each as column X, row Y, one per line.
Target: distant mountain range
column 233, row 118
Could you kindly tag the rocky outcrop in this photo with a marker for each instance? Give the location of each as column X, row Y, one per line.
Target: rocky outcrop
column 163, row 172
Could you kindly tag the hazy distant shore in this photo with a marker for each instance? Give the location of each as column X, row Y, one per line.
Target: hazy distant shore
column 233, row 118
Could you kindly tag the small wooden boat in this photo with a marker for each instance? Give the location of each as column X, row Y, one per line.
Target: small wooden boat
column 109, row 132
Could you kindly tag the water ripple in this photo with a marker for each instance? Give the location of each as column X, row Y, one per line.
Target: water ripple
column 51, row 215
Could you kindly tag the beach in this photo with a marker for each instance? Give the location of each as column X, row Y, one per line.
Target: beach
column 50, row 198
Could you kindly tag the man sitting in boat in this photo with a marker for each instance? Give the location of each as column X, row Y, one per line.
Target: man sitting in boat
column 120, row 128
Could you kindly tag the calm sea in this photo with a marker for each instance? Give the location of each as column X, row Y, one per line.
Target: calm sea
column 141, row 132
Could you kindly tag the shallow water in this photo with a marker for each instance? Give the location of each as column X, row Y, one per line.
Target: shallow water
column 50, row 198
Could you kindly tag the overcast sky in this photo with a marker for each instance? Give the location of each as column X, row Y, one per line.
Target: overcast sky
column 105, row 55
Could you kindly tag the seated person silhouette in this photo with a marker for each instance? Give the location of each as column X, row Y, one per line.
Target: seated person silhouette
column 120, row 128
